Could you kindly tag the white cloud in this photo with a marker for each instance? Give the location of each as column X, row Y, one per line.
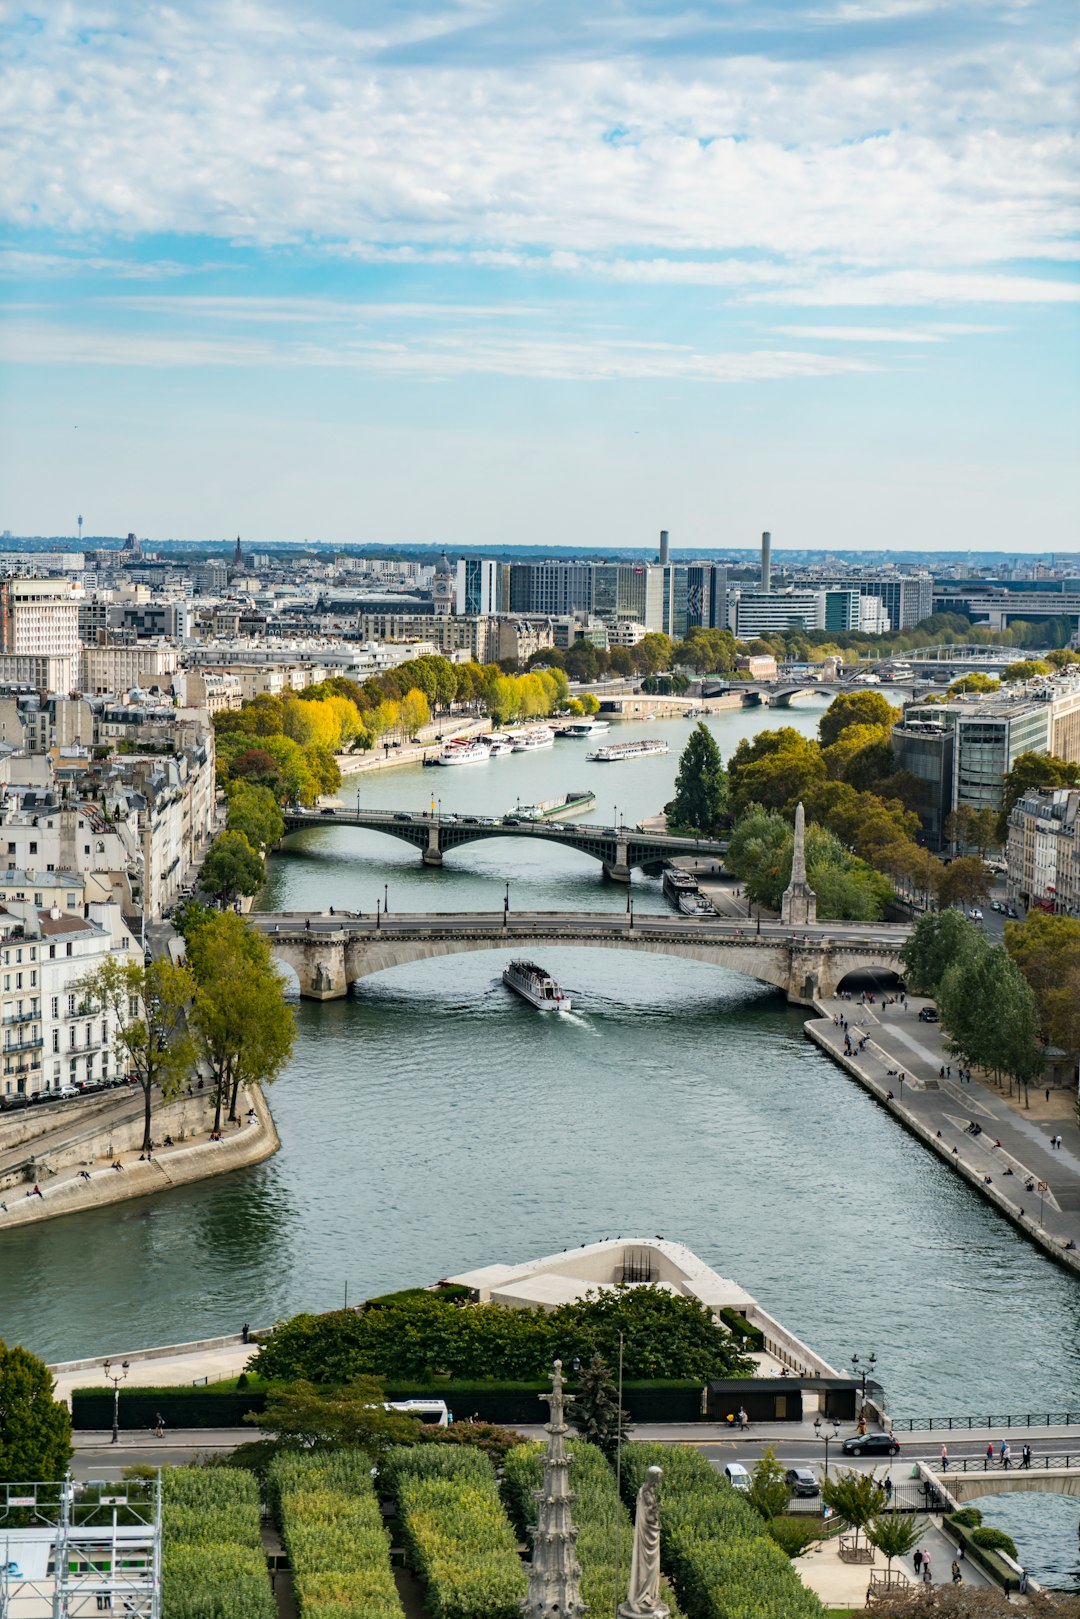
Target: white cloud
column 244, row 123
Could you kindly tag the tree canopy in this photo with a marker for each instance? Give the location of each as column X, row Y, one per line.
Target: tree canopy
column 775, row 769
column 855, row 708
column 700, row 786
column 232, row 867
column 760, row 854
column 241, row 1024
column 1047, row 951
column 35, row 1428
column 147, row 1008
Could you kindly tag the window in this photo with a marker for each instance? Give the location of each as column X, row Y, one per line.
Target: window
column 104, row 1034
column 89, row 1034
column 86, row 848
column 18, row 953
column 11, row 848
column 73, row 1034
column 52, row 952
column 7, row 980
column 133, row 1006
column 71, row 899
column 68, row 950
column 38, row 900
column 71, row 1005
column 56, row 1039
column 54, row 1005
column 33, row 848
column 18, row 980
column 33, row 979
column 33, row 952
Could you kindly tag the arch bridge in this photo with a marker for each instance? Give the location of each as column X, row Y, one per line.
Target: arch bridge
column 972, row 1478
column 619, row 849
column 331, row 953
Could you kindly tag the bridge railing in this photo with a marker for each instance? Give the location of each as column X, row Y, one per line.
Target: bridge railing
column 1052, row 1419
column 1051, row 1461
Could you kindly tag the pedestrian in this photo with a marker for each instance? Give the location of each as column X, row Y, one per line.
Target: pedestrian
column 744, row 1420
column 926, row 1568
column 888, row 1487
column 1048, row 1096
column 917, row 1560
column 1025, row 1457
column 245, row 1333
column 957, row 1577
column 944, row 1458
column 159, row 1425
column 1005, row 1453
column 989, row 1454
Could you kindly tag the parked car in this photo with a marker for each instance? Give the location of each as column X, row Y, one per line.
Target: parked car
column 402, row 815
column 996, row 905
column 67, row 1091
column 801, row 1481
column 737, row 1476
column 871, row 1444
column 10, row 1103
column 976, row 915
column 928, row 1014
column 1014, row 914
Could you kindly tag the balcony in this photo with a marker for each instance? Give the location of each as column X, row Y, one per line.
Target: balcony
column 21, row 1017
column 24, row 1045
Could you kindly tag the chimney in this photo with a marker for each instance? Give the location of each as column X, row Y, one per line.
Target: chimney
column 766, row 564
column 663, row 548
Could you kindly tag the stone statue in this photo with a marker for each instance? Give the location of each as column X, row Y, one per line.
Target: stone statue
column 643, row 1596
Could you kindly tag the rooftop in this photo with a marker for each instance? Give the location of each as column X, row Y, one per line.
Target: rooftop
column 561, row 1278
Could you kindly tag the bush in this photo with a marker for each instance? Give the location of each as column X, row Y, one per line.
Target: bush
column 994, row 1540
column 715, row 1547
column 598, row 1514
column 740, row 1327
column 793, row 1535
column 457, row 1536
column 213, row 1566
column 967, row 1517
column 332, row 1530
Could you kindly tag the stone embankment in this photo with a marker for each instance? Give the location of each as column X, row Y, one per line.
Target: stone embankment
column 427, row 746
column 1006, row 1162
column 76, row 1173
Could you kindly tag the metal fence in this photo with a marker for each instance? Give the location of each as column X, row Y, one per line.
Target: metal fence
column 1052, row 1419
column 1015, row 1464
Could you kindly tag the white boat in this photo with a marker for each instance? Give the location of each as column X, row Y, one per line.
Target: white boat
column 616, row 751
column 695, row 905
column 538, row 737
column 499, row 746
column 463, row 752
column 586, row 728
column 536, row 986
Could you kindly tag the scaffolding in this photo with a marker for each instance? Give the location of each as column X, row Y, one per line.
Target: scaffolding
column 69, row 1549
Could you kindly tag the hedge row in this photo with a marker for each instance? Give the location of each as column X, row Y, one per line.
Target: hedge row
column 714, row 1545
column 986, row 1557
column 601, row 1518
column 457, row 1536
column 214, row 1566
column 332, row 1529
column 501, row 1403
column 739, row 1327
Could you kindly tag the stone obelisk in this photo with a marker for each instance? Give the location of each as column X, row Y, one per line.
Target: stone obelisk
column 554, row 1574
column 799, row 904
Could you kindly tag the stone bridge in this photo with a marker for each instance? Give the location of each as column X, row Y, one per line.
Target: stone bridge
column 1048, row 1475
column 619, row 849
column 330, row 953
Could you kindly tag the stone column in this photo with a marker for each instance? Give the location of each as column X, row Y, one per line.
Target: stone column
column 799, row 904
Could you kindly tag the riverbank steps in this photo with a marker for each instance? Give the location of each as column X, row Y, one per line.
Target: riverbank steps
column 82, row 1177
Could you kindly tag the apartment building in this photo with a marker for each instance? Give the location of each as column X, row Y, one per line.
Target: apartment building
column 111, row 669
column 39, row 618
column 1043, row 850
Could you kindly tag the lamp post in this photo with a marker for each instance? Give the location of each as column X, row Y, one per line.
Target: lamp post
column 358, row 803
column 827, row 1434
column 506, row 905
column 386, row 899
column 867, row 1370
column 115, row 1378
column 378, row 910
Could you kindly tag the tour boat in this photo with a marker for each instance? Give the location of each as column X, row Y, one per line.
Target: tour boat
column 499, row 746
column 676, row 883
column 538, row 737
column 586, row 728
column 695, row 904
column 463, row 752
column 616, row 751
column 536, row 986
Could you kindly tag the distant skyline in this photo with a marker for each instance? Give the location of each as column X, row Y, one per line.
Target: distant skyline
column 479, row 272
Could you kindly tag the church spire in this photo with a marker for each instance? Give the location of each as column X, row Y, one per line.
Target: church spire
column 554, row 1574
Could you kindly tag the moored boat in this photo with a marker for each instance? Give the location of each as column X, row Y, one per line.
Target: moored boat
column 538, row 736
column 536, row 986
column 499, row 746
column 616, row 751
column 463, row 752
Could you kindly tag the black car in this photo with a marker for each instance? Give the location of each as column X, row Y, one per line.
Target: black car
column 801, row 1481
column 928, row 1014
column 871, row 1444
column 327, row 812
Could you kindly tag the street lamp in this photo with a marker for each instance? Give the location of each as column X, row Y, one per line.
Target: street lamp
column 378, row 909
column 386, row 899
column 506, row 904
column 867, row 1370
column 358, row 803
column 827, row 1435
column 115, row 1378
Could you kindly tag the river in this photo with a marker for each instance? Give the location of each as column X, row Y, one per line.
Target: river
column 433, row 1122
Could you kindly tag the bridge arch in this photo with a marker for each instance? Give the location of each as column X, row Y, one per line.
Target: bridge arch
column 975, row 1484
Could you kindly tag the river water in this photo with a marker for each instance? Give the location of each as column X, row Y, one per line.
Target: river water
column 434, row 1122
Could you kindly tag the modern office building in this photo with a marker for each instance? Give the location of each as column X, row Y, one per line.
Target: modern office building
column 989, row 735
column 40, row 617
column 477, row 587
column 775, row 612
column 906, row 598
column 924, row 748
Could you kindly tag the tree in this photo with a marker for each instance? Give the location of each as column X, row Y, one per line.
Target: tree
column 146, row 1007
column 975, row 682
column 855, row 708
column 776, row 769
column 769, row 1489
column 303, row 1417
column 965, row 881
column 856, row 1497
column 700, row 786
column 1031, row 770
column 232, row 867
column 652, row 653
column 35, row 1428
column 937, row 941
column 1026, row 669
column 242, row 1026
column 415, row 712
column 974, row 828
column 895, row 1534
column 989, row 1010
column 254, row 811
column 596, row 1412
column 1047, row 951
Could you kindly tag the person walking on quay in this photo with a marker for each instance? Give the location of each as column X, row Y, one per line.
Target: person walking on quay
column 744, row 1420
column 957, row 1577
column 917, row 1561
column 159, row 1425
column 1025, row 1456
column 944, row 1458
column 1005, row 1453
column 927, row 1578
column 989, row 1453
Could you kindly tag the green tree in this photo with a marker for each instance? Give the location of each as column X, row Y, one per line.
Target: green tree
column 653, row 652
column 975, row 682
column 596, row 1412
column 769, row 1489
column 938, row 940
column 254, row 811
column 1029, row 771
column 35, row 1428
column 242, row 1026
column 232, row 867
column 415, row 712
column 700, row 785
column 1047, row 951
column 964, row 881
column 146, row 1007
column 989, row 1010
column 775, row 769
column 895, row 1534
column 303, row 1417
column 1026, row 669
column 855, row 708
column 856, row 1497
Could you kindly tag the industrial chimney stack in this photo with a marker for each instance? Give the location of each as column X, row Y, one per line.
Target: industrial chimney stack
column 766, row 563
column 663, row 547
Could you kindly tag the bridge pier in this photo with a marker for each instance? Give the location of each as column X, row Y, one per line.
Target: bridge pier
column 618, row 871
column 321, row 971
column 432, row 855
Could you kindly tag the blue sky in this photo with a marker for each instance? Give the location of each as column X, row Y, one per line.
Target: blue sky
column 497, row 272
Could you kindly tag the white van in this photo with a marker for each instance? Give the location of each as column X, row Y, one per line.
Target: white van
column 737, row 1476
column 434, row 1412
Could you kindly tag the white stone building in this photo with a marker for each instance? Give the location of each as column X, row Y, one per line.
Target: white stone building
column 1043, row 850
column 40, row 618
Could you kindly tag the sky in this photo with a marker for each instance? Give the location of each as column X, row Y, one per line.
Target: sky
column 503, row 271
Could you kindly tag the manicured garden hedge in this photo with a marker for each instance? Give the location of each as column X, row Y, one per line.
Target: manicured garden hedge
column 740, row 1327
column 332, row 1529
column 599, row 1515
column 987, row 1557
column 181, row 1407
column 457, row 1536
column 714, row 1545
column 214, row 1566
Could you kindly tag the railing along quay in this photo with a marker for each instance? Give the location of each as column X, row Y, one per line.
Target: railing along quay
column 1052, row 1419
